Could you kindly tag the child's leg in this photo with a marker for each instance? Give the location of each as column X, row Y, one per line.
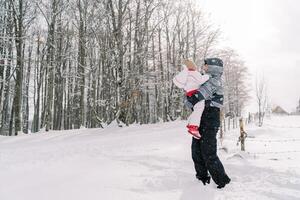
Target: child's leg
column 195, row 117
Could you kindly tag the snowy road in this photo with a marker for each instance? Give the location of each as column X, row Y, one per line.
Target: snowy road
column 148, row 162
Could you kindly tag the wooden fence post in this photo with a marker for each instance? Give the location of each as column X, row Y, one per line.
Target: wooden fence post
column 224, row 125
column 243, row 135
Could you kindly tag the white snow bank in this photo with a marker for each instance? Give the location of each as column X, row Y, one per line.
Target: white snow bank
column 147, row 162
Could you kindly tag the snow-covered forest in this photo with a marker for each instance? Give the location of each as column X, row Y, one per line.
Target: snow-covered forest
column 66, row 64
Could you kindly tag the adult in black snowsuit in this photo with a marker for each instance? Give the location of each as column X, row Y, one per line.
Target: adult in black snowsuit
column 204, row 150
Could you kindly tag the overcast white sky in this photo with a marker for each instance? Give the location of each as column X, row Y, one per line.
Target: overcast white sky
column 266, row 33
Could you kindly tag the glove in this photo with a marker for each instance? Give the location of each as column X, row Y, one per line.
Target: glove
column 193, row 99
column 188, row 104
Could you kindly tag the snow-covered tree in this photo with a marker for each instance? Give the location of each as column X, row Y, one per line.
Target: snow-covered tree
column 261, row 98
column 79, row 63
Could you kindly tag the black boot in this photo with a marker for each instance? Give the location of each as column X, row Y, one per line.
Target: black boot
column 204, row 180
column 226, row 181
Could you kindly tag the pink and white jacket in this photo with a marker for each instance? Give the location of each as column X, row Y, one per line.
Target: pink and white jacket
column 190, row 80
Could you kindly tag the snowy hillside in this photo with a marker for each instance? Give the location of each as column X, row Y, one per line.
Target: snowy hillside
column 148, row 162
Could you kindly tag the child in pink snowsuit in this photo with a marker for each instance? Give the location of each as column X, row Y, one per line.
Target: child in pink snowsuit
column 190, row 80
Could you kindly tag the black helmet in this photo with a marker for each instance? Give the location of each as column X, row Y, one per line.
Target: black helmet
column 213, row 61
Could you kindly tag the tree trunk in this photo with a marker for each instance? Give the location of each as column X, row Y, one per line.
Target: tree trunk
column 17, row 102
column 25, row 97
column 50, row 67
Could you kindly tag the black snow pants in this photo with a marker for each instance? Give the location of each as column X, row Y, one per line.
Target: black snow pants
column 204, row 151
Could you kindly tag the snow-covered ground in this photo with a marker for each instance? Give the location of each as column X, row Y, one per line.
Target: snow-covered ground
column 148, row 162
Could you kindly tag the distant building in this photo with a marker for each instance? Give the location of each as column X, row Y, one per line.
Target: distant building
column 298, row 108
column 280, row 111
